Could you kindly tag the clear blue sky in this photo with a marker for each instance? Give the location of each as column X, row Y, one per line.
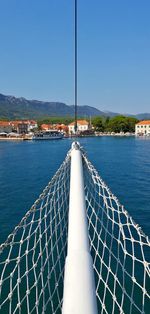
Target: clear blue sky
column 36, row 52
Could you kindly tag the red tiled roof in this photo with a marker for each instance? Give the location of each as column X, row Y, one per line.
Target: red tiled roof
column 16, row 122
column 62, row 127
column 4, row 123
column 144, row 122
column 33, row 121
column 46, row 126
column 79, row 122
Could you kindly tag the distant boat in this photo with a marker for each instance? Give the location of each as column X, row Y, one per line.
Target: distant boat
column 48, row 135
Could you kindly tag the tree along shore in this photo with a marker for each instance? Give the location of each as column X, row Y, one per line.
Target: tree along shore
column 116, row 124
column 101, row 124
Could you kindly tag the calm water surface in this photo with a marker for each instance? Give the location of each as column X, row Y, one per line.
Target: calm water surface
column 26, row 167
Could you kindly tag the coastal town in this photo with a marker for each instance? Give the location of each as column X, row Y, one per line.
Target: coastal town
column 27, row 129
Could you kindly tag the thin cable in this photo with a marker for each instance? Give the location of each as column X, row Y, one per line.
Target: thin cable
column 75, row 65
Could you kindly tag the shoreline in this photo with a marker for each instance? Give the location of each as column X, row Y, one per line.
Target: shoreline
column 72, row 136
column 11, row 139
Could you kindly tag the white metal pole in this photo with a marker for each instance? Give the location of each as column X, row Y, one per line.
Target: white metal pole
column 79, row 286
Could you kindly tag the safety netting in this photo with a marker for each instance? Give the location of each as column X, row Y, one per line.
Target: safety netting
column 120, row 250
column 32, row 259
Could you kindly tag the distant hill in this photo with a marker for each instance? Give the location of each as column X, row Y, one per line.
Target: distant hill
column 21, row 108
column 111, row 114
column 139, row 116
column 143, row 116
column 88, row 111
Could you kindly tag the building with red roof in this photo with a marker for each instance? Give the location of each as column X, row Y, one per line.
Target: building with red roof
column 82, row 125
column 5, row 126
column 46, row 127
column 20, row 126
column 143, row 128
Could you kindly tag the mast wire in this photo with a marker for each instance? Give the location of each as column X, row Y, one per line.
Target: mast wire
column 75, row 64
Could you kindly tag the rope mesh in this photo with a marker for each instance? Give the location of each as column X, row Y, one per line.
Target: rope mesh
column 119, row 250
column 33, row 257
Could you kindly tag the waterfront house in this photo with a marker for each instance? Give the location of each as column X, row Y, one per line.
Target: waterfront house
column 32, row 124
column 82, row 125
column 14, row 124
column 46, row 127
column 62, row 128
column 5, row 126
column 143, row 128
column 23, row 126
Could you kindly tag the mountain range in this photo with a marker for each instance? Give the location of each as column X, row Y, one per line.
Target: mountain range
column 21, row 108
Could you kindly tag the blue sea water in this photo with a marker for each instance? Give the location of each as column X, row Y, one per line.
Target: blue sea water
column 26, row 167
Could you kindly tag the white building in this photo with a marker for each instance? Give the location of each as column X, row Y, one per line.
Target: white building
column 82, row 125
column 32, row 125
column 142, row 128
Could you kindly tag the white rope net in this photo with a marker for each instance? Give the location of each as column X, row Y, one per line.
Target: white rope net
column 119, row 248
column 33, row 257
